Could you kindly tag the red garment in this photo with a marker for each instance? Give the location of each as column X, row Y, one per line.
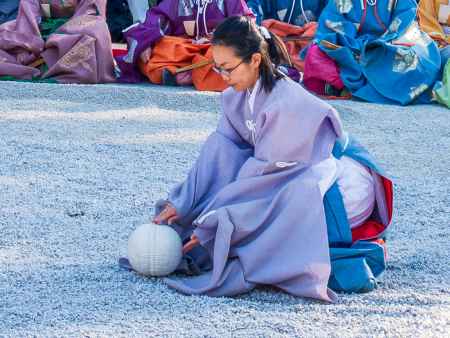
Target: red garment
column 372, row 229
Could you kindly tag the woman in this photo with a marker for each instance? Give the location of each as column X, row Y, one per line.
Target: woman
column 265, row 199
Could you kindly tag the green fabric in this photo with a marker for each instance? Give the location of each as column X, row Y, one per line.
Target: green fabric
column 441, row 89
column 34, row 79
column 49, row 26
column 152, row 3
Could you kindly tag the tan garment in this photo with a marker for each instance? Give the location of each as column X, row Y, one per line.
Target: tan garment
column 428, row 15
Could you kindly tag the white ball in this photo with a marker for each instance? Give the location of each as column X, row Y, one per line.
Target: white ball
column 154, row 250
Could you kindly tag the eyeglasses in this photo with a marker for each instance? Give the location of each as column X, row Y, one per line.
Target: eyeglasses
column 226, row 72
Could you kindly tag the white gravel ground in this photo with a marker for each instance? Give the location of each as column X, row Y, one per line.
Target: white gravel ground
column 81, row 166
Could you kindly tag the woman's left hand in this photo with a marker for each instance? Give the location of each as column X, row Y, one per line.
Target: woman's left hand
column 191, row 244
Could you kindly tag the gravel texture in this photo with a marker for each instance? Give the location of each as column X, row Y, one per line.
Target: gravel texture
column 81, row 166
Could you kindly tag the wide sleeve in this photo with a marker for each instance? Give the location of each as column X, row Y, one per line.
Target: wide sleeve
column 291, row 136
column 218, row 164
column 336, row 28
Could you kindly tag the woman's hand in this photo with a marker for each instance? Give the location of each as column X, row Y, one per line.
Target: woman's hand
column 168, row 214
column 191, row 244
column 146, row 54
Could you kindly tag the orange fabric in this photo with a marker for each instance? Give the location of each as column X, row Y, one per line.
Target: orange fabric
column 428, row 15
column 172, row 53
column 283, row 30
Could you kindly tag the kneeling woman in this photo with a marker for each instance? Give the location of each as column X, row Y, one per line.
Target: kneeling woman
column 278, row 188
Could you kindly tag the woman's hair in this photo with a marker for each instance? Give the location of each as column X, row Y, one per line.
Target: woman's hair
column 246, row 38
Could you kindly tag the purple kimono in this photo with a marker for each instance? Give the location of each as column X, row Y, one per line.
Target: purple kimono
column 78, row 52
column 254, row 197
column 196, row 18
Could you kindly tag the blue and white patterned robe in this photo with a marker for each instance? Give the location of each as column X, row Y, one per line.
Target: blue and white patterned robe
column 382, row 54
column 296, row 12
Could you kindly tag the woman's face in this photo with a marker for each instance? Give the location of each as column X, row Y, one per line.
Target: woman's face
column 236, row 73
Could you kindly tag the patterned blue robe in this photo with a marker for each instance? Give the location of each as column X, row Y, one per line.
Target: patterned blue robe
column 383, row 56
column 289, row 11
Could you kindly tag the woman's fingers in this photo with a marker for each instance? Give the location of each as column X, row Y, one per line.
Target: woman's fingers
column 172, row 219
column 191, row 244
column 167, row 213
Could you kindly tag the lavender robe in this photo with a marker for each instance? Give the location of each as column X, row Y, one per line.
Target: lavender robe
column 78, row 52
column 255, row 195
column 171, row 17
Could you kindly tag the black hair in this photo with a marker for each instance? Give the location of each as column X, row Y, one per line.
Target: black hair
column 244, row 36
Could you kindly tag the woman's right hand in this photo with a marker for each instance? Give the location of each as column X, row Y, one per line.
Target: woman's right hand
column 146, row 54
column 168, row 214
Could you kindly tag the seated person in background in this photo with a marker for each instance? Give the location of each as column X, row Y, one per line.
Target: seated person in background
column 296, row 12
column 118, row 17
column 380, row 51
column 121, row 14
column 58, row 41
column 434, row 19
column 173, row 36
column 8, row 10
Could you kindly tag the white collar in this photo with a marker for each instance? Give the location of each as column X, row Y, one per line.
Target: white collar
column 251, row 95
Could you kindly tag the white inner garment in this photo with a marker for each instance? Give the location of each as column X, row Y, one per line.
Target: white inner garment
column 251, row 95
column 355, row 181
column 357, row 187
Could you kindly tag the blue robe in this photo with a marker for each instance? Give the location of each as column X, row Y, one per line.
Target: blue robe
column 382, row 54
column 356, row 266
column 8, row 10
column 289, row 11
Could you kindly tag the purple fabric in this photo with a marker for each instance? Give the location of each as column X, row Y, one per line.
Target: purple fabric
column 167, row 19
column 255, row 195
column 79, row 52
column 320, row 69
column 20, row 42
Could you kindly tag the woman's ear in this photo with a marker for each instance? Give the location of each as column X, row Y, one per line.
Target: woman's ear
column 256, row 60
